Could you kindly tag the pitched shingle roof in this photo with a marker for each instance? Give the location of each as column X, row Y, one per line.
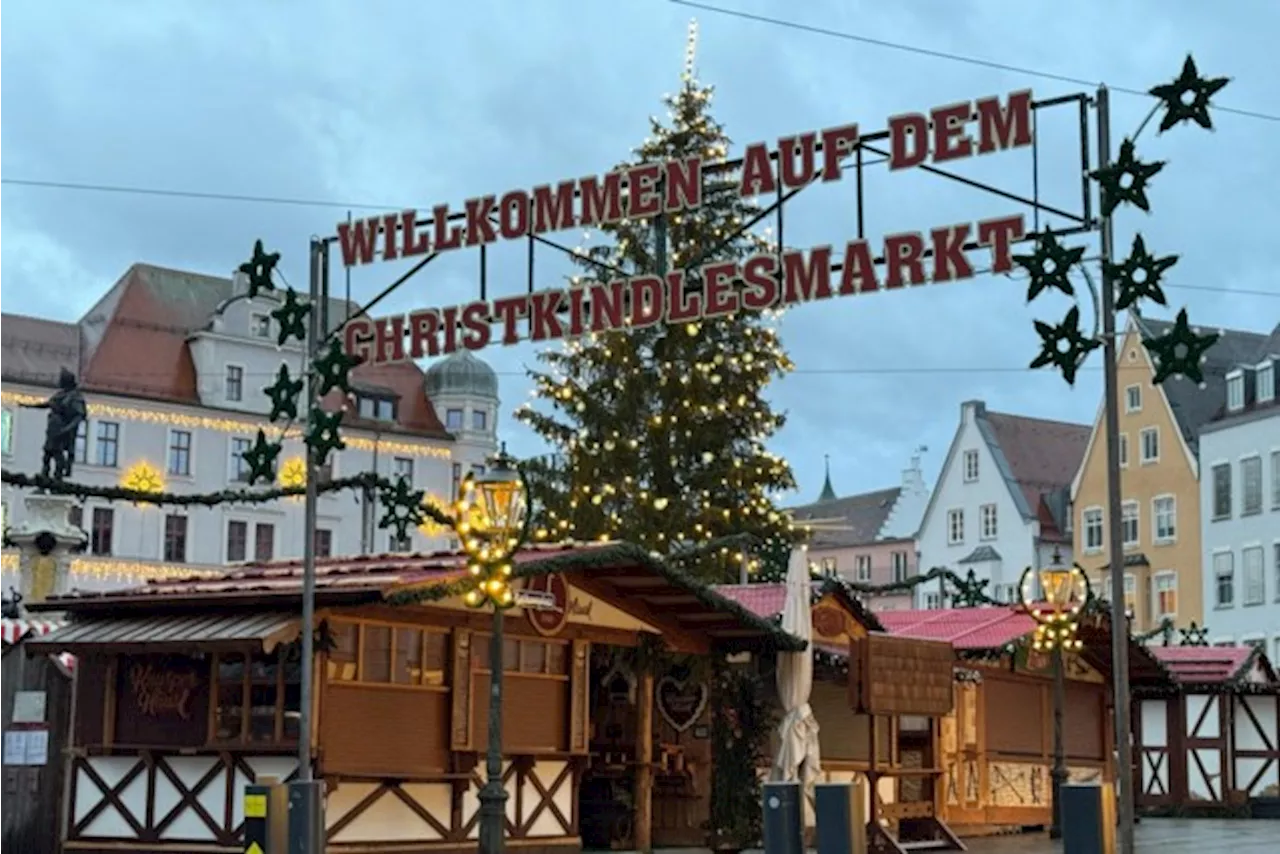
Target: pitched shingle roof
column 1206, row 665
column 1194, row 407
column 1040, row 457
column 859, row 517
column 34, row 350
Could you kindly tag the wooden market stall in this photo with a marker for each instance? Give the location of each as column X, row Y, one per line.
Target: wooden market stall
column 878, row 701
column 1210, row 741
column 187, row 690
column 996, row 748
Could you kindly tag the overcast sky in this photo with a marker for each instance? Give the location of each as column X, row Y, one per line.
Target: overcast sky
column 409, row 104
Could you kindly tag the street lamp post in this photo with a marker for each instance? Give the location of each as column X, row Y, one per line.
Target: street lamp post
column 492, row 521
column 1065, row 590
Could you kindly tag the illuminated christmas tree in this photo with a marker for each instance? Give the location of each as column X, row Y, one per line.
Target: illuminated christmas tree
column 659, row 432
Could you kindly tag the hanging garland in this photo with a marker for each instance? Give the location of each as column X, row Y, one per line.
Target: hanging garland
column 1064, row 346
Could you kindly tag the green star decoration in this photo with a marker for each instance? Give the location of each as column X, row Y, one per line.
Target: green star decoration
column 1186, row 99
column 323, row 437
column 1193, row 635
column 261, row 459
column 283, row 394
column 403, row 507
column 259, row 269
column 970, row 591
column 1125, row 180
column 291, row 315
column 1180, row 351
column 1050, row 265
column 333, row 369
column 1063, row 345
column 1138, row 276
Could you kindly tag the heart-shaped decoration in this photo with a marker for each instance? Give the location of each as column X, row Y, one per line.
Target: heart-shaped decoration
column 680, row 702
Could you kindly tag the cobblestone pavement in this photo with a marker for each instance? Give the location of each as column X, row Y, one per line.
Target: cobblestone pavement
column 1163, row 835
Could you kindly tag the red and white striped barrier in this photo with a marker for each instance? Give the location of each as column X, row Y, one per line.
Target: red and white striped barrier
column 15, row 630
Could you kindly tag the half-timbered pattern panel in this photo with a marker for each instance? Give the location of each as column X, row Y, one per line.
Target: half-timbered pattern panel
column 1256, row 736
column 1155, row 752
column 1206, row 746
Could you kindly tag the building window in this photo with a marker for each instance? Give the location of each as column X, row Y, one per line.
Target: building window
column 1164, row 512
column 933, row 601
column 1253, row 569
column 1124, row 450
column 828, row 567
column 235, row 383
column 453, row 419
column 1091, row 524
column 1150, row 437
column 899, row 565
column 970, row 466
column 264, row 541
column 6, row 432
column 1275, row 480
column 180, row 453
column 402, row 469
column 404, row 655
column 862, row 568
column 1133, row 398
column 237, row 541
column 324, row 542
column 1265, row 380
column 100, row 534
column 1130, row 590
column 455, row 481
column 239, row 468
column 1235, row 392
column 108, row 444
column 1276, row 572
column 955, row 527
column 82, row 442
column 379, row 408
column 1224, row 580
column 1222, row 491
column 175, row 538
column 260, row 326
column 1251, row 486
column 988, row 519
column 477, row 471
column 1166, row 598
column 1129, row 523
column 479, row 419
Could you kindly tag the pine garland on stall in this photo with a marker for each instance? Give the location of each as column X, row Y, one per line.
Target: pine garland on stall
column 660, row 431
column 742, row 722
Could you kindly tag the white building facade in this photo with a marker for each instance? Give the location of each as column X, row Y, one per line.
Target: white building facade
column 1240, row 501
column 1000, row 504
column 194, row 446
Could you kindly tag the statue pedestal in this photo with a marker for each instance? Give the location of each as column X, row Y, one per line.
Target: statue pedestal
column 46, row 538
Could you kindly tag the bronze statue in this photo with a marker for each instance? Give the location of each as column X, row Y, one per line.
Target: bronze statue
column 66, row 413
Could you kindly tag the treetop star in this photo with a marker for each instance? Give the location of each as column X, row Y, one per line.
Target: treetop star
column 1050, row 265
column 1138, row 276
column 1125, row 180
column 1186, row 98
column 1180, row 351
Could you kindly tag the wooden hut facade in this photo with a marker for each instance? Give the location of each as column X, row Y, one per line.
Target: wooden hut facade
column 1209, row 742
column 187, row 690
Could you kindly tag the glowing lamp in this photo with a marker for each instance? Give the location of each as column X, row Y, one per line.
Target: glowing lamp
column 502, row 495
column 1065, row 590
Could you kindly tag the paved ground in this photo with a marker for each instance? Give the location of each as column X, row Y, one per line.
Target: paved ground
column 1162, row 835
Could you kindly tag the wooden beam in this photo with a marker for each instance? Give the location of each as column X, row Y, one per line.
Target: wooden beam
column 644, row 762
column 675, row 636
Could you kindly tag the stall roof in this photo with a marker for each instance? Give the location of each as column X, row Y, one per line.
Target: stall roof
column 173, row 633
column 622, row 574
column 1215, row 666
column 964, row 628
column 768, row 600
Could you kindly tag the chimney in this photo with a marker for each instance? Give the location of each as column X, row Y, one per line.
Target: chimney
column 972, row 410
column 913, row 475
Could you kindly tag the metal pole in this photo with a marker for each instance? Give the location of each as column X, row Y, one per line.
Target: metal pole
column 1115, row 544
column 493, row 795
column 1059, row 772
column 309, row 536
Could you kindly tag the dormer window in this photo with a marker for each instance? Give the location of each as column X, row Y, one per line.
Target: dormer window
column 376, row 407
column 1235, row 391
column 453, row 419
column 1266, row 380
column 479, row 419
column 260, row 326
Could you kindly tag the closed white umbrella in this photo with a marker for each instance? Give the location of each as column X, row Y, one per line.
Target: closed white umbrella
column 798, row 756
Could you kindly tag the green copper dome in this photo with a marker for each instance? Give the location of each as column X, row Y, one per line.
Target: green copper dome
column 462, row 374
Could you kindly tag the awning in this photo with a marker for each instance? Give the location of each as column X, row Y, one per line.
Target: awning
column 172, row 633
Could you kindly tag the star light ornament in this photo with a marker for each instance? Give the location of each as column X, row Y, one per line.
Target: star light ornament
column 1125, row 180
column 1180, row 351
column 259, row 269
column 403, row 507
column 261, row 459
column 1063, row 345
column 323, row 437
column 333, row 369
column 1049, row 265
column 1186, row 98
column 1138, row 276
column 283, row 394
column 291, row 316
